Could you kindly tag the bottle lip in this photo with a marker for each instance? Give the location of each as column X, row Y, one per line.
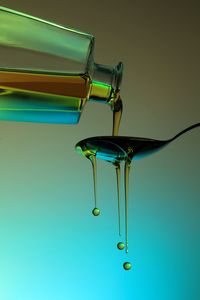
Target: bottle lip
column 106, row 82
column 108, row 75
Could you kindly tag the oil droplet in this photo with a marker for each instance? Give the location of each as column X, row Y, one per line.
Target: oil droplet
column 120, row 246
column 127, row 266
column 96, row 212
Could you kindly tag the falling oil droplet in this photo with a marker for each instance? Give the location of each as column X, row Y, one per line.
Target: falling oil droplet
column 120, row 246
column 127, row 266
column 126, row 180
column 117, row 166
column 96, row 212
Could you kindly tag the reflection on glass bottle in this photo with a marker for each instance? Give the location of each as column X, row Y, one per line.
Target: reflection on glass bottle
column 47, row 72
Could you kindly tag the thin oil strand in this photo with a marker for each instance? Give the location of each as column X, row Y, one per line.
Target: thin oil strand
column 117, row 168
column 92, row 158
column 126, row 181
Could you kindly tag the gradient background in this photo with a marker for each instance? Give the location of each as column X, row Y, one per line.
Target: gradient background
column 51, row 246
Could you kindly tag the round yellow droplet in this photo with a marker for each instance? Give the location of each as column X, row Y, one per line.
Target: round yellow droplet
column 127, row 266
column 96, row 212
column 120, row 246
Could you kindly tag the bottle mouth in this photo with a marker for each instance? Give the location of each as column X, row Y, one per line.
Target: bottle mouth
column 106, row 82
column 108, row 75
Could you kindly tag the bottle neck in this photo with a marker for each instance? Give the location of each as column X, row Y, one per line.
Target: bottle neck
column 106, row 83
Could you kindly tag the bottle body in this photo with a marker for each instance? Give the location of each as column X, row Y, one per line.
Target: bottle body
column 30, row 97
column 48, row 93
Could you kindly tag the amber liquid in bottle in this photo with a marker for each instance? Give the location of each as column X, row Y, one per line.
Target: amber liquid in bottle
column 42, row 97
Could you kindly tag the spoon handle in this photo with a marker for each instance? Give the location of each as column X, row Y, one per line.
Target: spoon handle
column 184, row 131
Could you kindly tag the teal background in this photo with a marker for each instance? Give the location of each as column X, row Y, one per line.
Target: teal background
column 51, row 245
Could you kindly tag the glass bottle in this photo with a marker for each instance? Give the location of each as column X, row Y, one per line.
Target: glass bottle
column 47, row 71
